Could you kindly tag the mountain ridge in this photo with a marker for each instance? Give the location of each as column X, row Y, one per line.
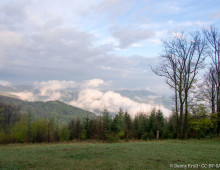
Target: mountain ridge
column 49, row 109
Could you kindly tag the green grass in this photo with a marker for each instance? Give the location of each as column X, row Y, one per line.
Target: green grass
column 131, row 155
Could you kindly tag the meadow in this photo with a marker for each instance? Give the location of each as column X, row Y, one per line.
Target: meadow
column 123, row 155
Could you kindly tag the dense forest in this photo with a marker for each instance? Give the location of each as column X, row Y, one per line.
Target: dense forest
column 196, row 111
column 51, row 109
column 22, row 128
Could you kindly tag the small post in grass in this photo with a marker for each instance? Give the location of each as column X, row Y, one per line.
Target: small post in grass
column 157, row 134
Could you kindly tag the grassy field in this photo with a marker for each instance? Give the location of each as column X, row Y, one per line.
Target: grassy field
column 130, row 155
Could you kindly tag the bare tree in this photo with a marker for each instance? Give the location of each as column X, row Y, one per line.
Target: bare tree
column 181, row 59
column 212, row 36
column 208, row 89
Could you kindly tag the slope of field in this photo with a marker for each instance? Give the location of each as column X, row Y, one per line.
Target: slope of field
column 51, row 109
column 133, row 155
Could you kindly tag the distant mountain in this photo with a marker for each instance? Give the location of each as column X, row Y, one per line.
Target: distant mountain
column 145, row 96
column 69, row 95
column 133, row 94
column 6, row 89
column 51, row 109
column 7, row 94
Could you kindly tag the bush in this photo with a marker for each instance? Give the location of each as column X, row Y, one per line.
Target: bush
column 145, row 136
column 64, row 134
column 151, row 135
column 201, row 134
column 166, row 134
column 111, row 138
column 3, row 137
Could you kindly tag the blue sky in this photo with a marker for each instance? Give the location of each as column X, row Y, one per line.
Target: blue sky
column 112, row 40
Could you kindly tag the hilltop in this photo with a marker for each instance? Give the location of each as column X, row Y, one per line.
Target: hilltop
column 50, row 109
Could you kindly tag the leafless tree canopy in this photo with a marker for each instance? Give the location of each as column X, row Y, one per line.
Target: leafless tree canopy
column 208, row 89
column 212, row 36
column 182, row 58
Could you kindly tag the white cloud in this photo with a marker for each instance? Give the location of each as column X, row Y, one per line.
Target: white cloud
column 5, row 83
column 56, row 40
column 168, row 7
column 53, row 86
column 216, row 15
column 90, row 97
column 110, row 40
column 48, row 91
column 156, row 41
column 129, row 36
column 25, row 95
column 112, row 8
column 193, row 23
column 137, row 45
column 93, row 100
column 94, row 83
column 9, row 40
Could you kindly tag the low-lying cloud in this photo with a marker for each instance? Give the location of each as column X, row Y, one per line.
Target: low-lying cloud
column 5, row 83
column 25, row 95
column 46, row 88
column 86, row 95
column 92, row 100
column 93, row 83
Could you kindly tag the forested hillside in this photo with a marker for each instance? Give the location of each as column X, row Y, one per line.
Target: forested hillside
column 57, row 110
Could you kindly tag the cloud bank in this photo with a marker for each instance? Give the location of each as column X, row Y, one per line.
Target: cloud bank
column 5, row 83
column 93, row 83
column 92, row 100
column 52, row 86
column 88, row 96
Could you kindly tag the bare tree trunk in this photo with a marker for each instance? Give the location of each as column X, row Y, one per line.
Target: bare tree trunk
column 213, row 97
column 218, row 110
column 177, row 114
column 186, row 116
column 218, row 88
column 181, row 115
column 157, row 134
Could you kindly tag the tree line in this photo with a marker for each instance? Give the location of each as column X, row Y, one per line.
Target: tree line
column 22, row 128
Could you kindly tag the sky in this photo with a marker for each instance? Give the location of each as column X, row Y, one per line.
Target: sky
column 114, row 41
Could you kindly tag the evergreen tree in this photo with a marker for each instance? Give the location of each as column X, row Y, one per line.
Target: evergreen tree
column 128, row 124
column 71, row 127
column 160, row 122
column 152, row 128
column 120, row 123
column 78, row 129
column 86, row 128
